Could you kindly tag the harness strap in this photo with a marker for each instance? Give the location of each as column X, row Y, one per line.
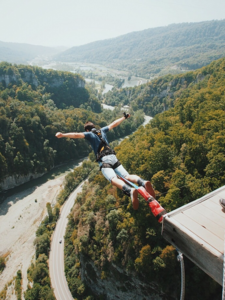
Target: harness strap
column 106, row 165
column 104, row 152
column 103, row 149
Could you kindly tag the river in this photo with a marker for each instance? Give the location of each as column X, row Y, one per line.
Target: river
column 97, row 70
column 135, row 81
column 21, row 211
column 107, row 87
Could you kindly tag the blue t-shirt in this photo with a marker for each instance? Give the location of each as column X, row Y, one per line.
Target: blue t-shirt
column 94, row 140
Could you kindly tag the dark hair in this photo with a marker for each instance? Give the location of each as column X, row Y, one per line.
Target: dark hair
column 88, row 126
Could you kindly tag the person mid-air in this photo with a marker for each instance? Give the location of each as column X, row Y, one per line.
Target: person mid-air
column 106, row 157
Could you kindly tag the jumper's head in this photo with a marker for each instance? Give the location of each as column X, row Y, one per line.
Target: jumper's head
column 88, row 126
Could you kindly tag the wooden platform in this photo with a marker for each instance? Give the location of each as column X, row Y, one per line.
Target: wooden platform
column 198, row 231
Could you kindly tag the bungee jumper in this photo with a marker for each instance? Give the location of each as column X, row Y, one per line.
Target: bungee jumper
column 112, row 169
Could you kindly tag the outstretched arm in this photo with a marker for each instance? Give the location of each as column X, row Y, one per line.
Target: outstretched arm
column 71, row 135
column 117, row 122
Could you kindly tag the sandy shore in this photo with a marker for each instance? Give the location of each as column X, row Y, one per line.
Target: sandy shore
column 20, row 217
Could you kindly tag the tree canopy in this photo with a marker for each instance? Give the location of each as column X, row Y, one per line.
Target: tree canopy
column 31, row 112
column 182, row 152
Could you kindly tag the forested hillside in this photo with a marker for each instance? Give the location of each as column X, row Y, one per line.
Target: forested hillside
column 182, row 151
column 31, row 102
column 160, row 94
column 156, row 51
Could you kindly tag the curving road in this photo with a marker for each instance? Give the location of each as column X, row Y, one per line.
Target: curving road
column 56, row 258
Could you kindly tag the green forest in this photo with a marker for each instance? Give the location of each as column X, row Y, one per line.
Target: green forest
column 34, row 105
column 182, row 152
column 156, row 51
column 160, row 94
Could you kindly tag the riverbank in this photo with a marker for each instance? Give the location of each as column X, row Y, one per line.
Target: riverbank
column 55, row 172
column 20, row 215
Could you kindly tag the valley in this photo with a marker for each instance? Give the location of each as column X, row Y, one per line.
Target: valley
column 21, row 212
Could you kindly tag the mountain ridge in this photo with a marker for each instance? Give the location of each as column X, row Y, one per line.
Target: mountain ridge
column 148, row 52
column 23, row 52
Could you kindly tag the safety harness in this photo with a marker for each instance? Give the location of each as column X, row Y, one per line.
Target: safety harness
column 103, row 150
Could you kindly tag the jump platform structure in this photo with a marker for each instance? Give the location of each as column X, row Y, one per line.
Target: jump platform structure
column 197, row 230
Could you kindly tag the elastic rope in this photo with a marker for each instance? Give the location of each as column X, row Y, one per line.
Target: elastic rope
column 116, row 207
column 182, row 270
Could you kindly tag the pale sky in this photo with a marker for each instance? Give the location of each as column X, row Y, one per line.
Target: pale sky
column 73, row 23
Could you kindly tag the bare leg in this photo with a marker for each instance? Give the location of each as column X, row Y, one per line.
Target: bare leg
column 129, row 191
column 132, row 178
column 147, row 184
column 119, row 183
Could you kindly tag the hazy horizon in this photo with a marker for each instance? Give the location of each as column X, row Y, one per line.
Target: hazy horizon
column 72, row 23
column 62, row 46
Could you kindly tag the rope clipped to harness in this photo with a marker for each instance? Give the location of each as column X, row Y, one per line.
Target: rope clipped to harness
column 157, row 210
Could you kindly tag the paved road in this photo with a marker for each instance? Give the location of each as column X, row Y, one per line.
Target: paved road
column 56, row 258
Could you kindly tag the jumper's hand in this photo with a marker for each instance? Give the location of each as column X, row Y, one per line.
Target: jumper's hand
column 59, row 135
column 126, row 115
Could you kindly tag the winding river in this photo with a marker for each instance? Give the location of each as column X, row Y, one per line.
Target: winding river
column 21, row 211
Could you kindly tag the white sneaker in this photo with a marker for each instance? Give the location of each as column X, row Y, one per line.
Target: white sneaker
column 134, row 198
